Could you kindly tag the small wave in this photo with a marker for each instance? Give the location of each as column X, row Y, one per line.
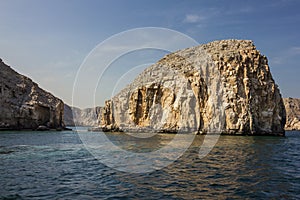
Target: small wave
column 11, row 197
column 3, row 151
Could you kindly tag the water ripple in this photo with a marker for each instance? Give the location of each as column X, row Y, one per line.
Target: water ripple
column 57, row 166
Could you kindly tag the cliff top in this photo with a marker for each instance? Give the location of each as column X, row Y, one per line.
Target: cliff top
column 10, row 76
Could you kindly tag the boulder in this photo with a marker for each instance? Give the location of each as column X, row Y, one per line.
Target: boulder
column 42, row 128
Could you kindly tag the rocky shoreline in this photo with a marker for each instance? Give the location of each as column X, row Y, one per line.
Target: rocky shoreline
column 221, row 87
column 292, row 106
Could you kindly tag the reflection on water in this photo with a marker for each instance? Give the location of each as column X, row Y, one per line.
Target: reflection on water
column 136, row 155
column 140, row 144
column 55, row 165
column 238, row 167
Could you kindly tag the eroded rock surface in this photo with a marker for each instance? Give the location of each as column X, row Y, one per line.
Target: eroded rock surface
column 220, row 87
column 24, row 105
column 292, row 106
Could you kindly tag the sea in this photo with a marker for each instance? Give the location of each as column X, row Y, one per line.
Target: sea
column 58, row 165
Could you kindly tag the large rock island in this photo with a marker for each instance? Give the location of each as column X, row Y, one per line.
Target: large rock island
column 220, row 87
column 24, row 105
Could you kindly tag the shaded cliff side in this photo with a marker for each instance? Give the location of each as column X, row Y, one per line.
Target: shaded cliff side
column 220, row 87
column 292, row 106
column 24, row 105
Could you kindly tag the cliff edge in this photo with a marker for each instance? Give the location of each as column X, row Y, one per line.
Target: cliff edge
column 24, row 105
column 220, row 87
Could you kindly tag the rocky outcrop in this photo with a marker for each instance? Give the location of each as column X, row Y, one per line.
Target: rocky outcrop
column 81, row 117
column 292, row 107
column 24, row 105
column 220, row 87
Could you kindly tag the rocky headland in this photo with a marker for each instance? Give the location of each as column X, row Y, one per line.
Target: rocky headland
column 220, row 87
column 292, row 106
column 24, row 105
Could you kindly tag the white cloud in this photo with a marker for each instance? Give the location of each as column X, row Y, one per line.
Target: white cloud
column 239, row 11
column 295, row 50
column 202, row 16
column 192, row 18
column 277, row 60
column 286, row 55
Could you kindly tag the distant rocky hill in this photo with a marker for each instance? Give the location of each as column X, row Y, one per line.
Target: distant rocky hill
column 223, row 86
column 292, row 106
column 80, row 117
column 24, row 105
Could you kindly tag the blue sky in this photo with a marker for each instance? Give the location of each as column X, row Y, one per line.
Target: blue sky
column 48, row 40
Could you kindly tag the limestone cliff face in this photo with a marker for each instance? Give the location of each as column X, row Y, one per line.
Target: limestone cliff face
column 220, row 87
column 81, row 117
column 292, row 106
column 23, row 105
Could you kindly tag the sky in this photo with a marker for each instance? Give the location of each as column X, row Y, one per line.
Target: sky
column 49, row 41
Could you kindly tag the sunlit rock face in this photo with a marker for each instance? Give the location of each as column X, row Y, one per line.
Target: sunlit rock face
column 292, row 106
column 220, row 87
column 24, row 105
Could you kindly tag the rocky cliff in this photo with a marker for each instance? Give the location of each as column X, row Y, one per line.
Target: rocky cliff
column 220, row 87
column 68, row 116
column 80, row 117
column 24, row 105
column 292, row 106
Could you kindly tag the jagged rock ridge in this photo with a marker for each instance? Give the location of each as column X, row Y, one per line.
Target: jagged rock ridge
column 220, row 87
column 292, row 106
column 24, row 105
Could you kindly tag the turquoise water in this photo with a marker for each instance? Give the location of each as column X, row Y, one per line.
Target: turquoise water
column 56, row 165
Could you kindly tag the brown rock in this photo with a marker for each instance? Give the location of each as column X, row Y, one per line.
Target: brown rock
column 24, row 105
column 220, row 87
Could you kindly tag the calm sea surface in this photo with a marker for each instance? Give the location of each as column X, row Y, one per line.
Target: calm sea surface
column 56, row 165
